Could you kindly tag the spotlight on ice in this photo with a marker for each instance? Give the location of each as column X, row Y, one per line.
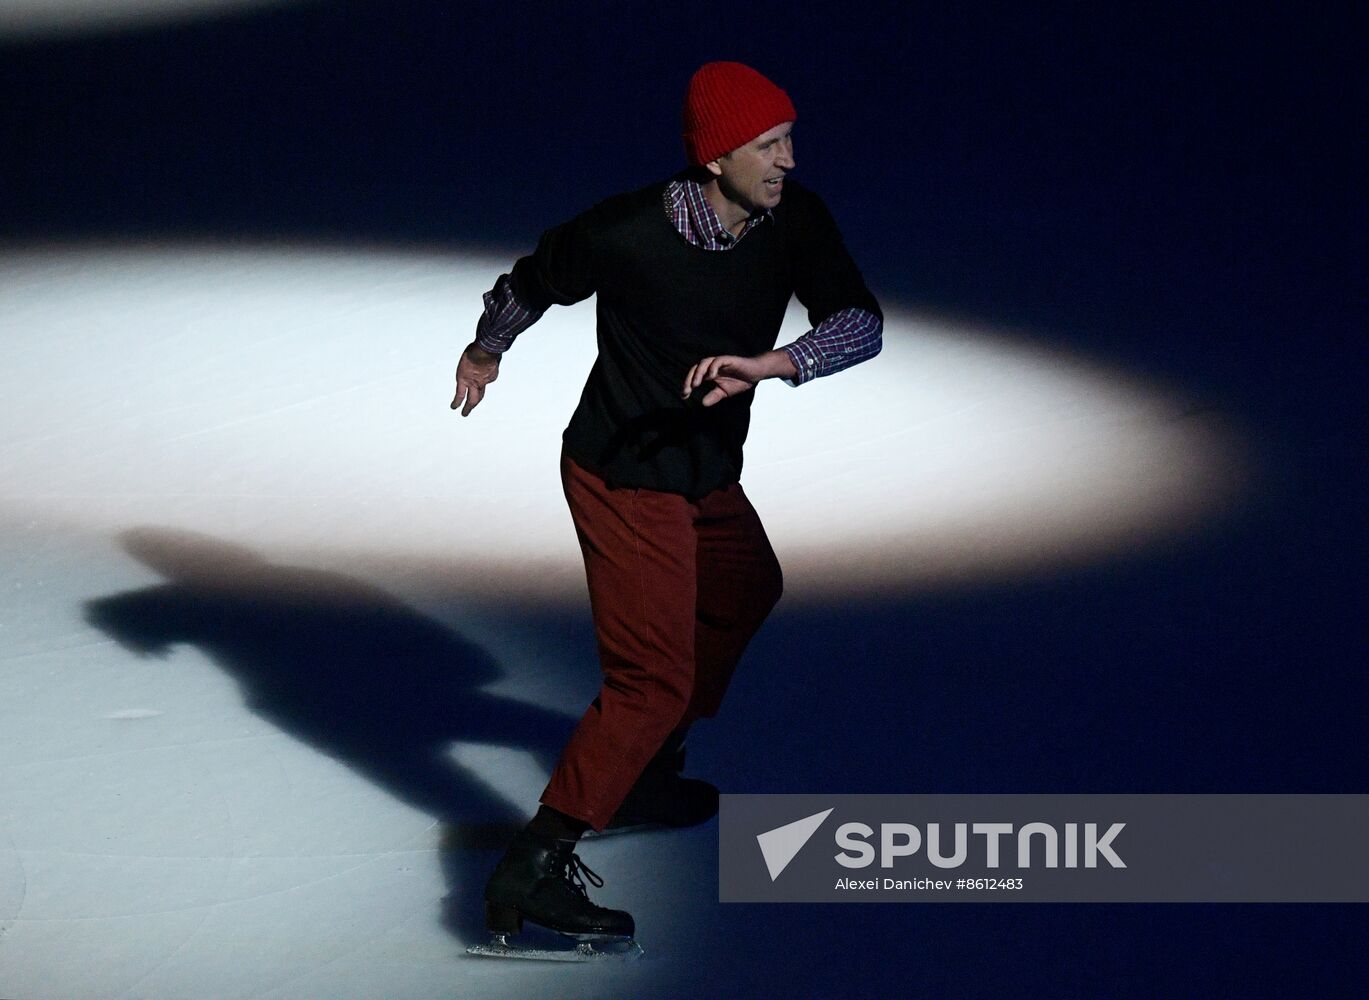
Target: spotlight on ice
column 37, row 18
column 295, row 398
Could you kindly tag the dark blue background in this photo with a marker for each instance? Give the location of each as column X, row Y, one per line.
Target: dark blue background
column 1172, row 190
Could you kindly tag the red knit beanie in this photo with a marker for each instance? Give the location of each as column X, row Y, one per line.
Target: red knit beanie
column 726, row 106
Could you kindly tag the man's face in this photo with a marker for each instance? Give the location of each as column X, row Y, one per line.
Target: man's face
column 753, row 175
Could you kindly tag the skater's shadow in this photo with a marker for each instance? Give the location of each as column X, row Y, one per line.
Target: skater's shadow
column 350, row 670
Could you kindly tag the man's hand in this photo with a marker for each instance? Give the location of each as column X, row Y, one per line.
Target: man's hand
column 476, row 369
column 732, row 375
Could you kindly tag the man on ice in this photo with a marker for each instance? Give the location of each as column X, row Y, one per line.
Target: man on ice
column 693, row 275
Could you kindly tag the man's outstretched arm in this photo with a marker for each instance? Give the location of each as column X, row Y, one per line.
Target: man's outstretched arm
column 559, row 272
column 504, row 318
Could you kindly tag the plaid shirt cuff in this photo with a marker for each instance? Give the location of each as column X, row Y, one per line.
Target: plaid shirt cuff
column 504, row 318
column 846, row 338
column 806, row 359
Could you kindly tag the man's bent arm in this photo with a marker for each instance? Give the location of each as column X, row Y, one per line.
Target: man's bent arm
column 847, row 321
column 559, row 271
column 504, row 318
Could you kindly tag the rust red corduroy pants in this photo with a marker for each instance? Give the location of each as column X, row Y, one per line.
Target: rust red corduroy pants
column 677, row 589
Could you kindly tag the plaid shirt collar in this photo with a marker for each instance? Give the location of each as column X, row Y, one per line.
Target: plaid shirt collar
column 695, row 220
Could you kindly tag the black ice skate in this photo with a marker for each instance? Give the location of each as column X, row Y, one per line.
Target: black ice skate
column 543, row 882
column 661, row 798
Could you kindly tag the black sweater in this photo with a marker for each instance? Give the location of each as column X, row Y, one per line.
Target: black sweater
column 665, row 304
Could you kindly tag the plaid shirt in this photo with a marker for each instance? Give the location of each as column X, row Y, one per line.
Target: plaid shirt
column 845, row 338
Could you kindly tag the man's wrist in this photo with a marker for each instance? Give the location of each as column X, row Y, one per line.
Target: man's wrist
column 778, row 364
column 479, row 355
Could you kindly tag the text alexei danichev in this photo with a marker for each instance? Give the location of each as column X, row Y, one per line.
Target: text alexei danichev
column 879, row 885
column 925, row 884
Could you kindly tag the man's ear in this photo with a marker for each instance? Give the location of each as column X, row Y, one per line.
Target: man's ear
column 714, row 168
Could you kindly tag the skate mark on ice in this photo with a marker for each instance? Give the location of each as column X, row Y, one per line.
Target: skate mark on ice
column 124, row 714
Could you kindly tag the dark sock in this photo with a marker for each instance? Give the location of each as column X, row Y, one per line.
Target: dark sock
column 549, row 824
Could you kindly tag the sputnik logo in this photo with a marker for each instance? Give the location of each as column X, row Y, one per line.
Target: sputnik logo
column 778, row 846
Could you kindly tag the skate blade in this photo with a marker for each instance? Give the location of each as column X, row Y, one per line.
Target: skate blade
column 646, row 826
column 600, row 950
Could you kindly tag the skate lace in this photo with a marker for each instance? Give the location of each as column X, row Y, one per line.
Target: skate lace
column 576, row 874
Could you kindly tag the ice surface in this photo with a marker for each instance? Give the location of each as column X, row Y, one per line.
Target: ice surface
column 279, row 631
